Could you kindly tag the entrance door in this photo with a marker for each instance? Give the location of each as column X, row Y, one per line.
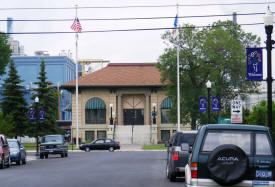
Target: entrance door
column 133, row 109
column 133, row 116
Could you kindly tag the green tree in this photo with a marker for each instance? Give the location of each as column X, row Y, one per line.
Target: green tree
column 7, row 125
column 5, row 52
column 48, row 102
column 216, row 53
column 258, row 115
column 13, row 102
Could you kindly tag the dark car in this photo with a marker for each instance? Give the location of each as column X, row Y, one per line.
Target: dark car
column 101, row 144
column 17, row 152
column 53, row 144
column 4, row 152
column 176, row 158
column 226, row 155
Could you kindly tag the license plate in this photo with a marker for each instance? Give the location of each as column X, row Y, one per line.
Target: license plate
column 263, row 174
column 50, row 150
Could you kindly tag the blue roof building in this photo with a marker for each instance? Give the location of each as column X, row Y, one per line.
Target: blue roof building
column 60, row 70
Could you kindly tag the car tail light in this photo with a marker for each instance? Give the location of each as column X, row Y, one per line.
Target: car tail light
column 194, row 170
column 175, row 155
column 118, row 144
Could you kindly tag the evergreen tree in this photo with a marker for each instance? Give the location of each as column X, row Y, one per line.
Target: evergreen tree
column 5, row 52
column 14, row 103
column 48, row 102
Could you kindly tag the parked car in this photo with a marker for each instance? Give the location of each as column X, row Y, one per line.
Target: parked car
column 4, row 152
column 176, row 158
column 53, row 144
column 101, row 144
column 226, row 155
column 17, row 152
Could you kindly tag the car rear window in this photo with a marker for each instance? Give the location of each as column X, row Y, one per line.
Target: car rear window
column 217, row 138
column 186, row 138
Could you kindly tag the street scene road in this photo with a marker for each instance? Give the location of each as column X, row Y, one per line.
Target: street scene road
column 95, row 168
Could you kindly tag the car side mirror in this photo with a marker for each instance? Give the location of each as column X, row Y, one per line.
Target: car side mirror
column 167, row 144
column 186, row 147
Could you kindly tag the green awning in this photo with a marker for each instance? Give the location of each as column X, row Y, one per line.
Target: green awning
column 166, row 103
column 95, row 103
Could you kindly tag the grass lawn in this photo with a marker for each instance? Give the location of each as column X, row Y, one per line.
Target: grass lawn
column 154, row 147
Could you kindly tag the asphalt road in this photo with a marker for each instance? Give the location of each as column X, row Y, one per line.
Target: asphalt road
column 93, row 169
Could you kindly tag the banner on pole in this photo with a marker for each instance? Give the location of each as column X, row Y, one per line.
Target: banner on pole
column 254, row 68
column 202, row 104
column 215, row 104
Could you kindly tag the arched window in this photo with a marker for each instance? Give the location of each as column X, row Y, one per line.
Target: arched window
column 166, row 105
column 95, row 111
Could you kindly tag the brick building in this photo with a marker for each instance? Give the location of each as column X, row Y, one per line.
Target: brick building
column 132, row 92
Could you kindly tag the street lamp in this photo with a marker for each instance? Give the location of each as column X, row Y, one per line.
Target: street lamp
column 154, row 113
column 111, row 119
column 208, row 86
column 268, row 22
column 36, row 100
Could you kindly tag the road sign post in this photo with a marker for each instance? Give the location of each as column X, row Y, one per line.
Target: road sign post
column 236, row 111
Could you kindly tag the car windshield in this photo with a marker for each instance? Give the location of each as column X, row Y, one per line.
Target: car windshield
column 214, row 139
column 13, row 144
column 52, row 139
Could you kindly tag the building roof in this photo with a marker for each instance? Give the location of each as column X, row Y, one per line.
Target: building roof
column 121, row 75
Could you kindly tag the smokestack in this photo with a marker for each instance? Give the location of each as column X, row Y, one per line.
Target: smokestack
column 9, row 26
column 235, row 17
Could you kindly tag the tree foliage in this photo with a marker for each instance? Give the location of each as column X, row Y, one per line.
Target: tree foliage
column 216, row 53
column 7, row 125
column 48, row 102
column 13, row 102
column 5, row 52
column 258, row 115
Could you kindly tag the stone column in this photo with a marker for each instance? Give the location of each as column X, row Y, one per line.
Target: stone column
column 119, row 107
column 147, row 110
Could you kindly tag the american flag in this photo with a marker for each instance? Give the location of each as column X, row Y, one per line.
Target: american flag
column 176, row 24
column 76, row 26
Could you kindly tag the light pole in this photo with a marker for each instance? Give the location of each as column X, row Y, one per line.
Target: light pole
column 268, row 22
column 36, row 100
column 111, row 119
column 154, row 113
column 208, row 86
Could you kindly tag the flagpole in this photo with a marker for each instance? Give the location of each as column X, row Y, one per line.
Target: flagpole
column 178, row 78
column 76, row 81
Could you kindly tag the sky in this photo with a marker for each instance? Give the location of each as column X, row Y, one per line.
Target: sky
column 118, row 47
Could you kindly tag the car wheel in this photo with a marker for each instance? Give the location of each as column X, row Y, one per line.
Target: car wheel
column 62, row 155
column 46, row 156
column 87, row 149
column 24, row 161
column 2, row 165
column 66, row 154
column 170, row 175
column 227, row 164
column 9, row 162
column 19, row 160
column 111, row 149
column 41, row 156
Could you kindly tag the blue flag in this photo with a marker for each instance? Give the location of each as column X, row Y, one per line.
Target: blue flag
column 176, row 24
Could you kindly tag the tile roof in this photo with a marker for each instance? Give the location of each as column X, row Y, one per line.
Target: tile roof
column 121, row 74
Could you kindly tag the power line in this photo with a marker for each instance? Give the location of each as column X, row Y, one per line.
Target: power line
column 121, row 30
column 139, row 6
column 136, row 18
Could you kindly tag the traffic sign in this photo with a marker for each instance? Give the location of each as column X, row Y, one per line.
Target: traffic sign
column 236, row 111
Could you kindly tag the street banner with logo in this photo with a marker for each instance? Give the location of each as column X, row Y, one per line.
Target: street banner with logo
column 254, row 58
column 203, row 104
column 215, row 104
